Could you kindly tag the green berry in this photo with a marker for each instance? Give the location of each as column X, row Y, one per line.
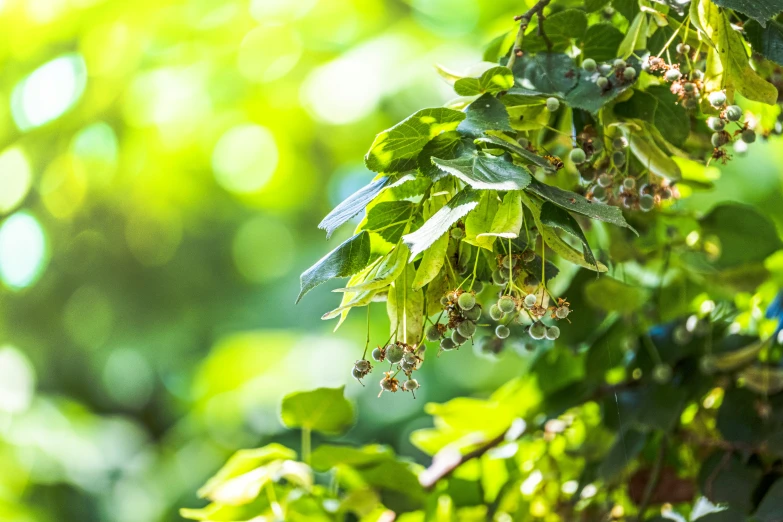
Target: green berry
column 473, row 314
column 394, row 353
column 537, row 330
column 716, row 124
column 599, row 193
column 363, row 365
column 672, row 75
column 683, row 48
column 618, row 158
column 387, row 384
column 478, row 286
column 507, row 304
column 589, row 65
column 562, row 312
column 577, row 156
column 697, row 74
column 717, row 98
column 602, row 82
column 530, row 300
column 662, row 373
column 689, row 87
column 605, row 180
column 719, row 139
column 552, row 333
column 446, row 344
column 629, row 73
column 748, row 136
column 619, row 143
column 457, row 233
column 433, row 333
column 466, row 301
column 377, row 355
column 499, row 278
column 357, row 374
column 646, row 202
column 733, row 113
column 444, row 300
column 619, row 63
column 509, row 261
column 629, row 183
column 409, row 357
column 495, row 312
column 502, row 331
column 407, row 367
column 466, row 329
column 458, row 338
column 410, row 385
column 552, row 104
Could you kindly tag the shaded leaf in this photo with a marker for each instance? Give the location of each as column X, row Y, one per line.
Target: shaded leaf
column 327, row 456
column 462, row 203
column 448, row 145
column 561, row 28
column 386, row 270
column 485, row 114
column 389, row 219
column 554, row 216
column 745, row 235
column 671, row 118
column 767, row 41
column 725, row 478
column 761, row 10
column 513, row 147
column 641, row 106
column 610, row 295
column 650, row 155
column 396, row 149
column 345, row 260
column 625, row 449
column 486, row 172
column 325, row 410
column 601, row 42
column 635, row 37
column 771, row 507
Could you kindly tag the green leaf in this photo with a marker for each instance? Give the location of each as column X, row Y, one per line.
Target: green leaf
column 601, row 42
column 771, row 505
column 573, row 202
column 727, row 64
column 508, row 219
column 555, row 242
column 640, row 106
column 389, row 219
column 628, row 8
column 594, row 5
column 724, row 478
column 242, row 462
column 650, row 155
column 353, row 204
column 739, row 420
column 486, row 172
column 561, row 28
column 462, row 203
column 396, row 149
column 485, row 114
column 746, row 236
column 497, row 47
column 345, row 260
column 328, row 456
column 763, row 379
column 671, row 118
column 479, row 221
column 610, row 295
column 386, row 270
column 767, row 41
column 324, row 410
column 556, row 217
column 625, row 449
column 513, row 147
column 761, row 10
column 448, row 145
column 492, row 81
column 742, row 350
column 405, row 306
column 635, row 37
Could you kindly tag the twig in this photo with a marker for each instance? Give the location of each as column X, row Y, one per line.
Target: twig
column 524, row 21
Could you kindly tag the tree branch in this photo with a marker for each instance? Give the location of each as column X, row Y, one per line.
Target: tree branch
column 524, row 21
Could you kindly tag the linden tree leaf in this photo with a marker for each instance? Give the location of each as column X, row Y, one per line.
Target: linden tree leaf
column 485, row 114
column 462, row 203
column 243, row 461
column 771, row 505
column 479, row 221
column 641, row 106
column 325, row 410
column 493, row 81
column 396, row 149
column 405, row 306
column 344, row 261
column 761, row 10
column 601, row 42
column 435, row 256
column 382, row 273
column 513, row 147
column 554, row 216
column 486, row 172
column 353, row 204
column 508, row 219
column 448, row 145
column 560, row 28
column 649, row 154
column 671, row 118
column 389, row 219
column 635, row 37
column 745, row 235
column 767, row 41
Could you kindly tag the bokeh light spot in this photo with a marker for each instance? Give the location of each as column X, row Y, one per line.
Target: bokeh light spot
column 15, row 178
column 23, row 251
column 447, row 18
column 62, row 188
column 154, row 235
column 256, row 63
column 264, row 10
column 263, row 249
column 245, row 158
column 48, row 92
column 17, row 381
column 88, row 317
column 128, row 378
column 95, row 150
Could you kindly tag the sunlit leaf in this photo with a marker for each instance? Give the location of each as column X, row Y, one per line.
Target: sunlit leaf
column 485, row 114
column 491, row 81
column 508, row 218
column 420, row 240
column 353, row 204
column 325, row 410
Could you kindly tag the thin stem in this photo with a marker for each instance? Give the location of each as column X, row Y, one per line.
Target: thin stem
column 367, row 343
column 524, row 21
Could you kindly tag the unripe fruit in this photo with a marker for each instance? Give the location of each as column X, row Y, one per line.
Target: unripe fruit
column 478, row 286
column 689, row 87
column 719, row 139
column 552, row 333
column 357, row 374
column 629, row 73
column 697, row 74
column 507, row 304
column 552, row 104
column 495, row 312
column 433, row 334
column 466, row 301
column 499, row 277
column 537, row 330
column 407, row 367
column 363, row 365
column 562, row 312
column 672, row 75
column 530, row 300
column 447, row 344
column 748, row 136
column 690, row 103
column 409, row 358
column 602, row 82
column 599, row 193
column 733, row 113
column 619, row 63
column 618, row 158
column 646, row 203
column 458, row 338
column 716, row 124
column 528, row 256
column 683, row 48
column 457, row 233
column 662, row 373
column 589, row 65
column 394, row 353
column 681, row 335
column 502, row 331
column 410, row 385
column 605, row 180
column 619, row 143
column 629, row 183
column 717, row 98
column 473, row 314
column 444, row 300
column 577, row 156
column 466, row 329
column 377, row 354
column 509, row 261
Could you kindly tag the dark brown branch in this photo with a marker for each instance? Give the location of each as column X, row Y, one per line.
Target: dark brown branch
column 524, row 21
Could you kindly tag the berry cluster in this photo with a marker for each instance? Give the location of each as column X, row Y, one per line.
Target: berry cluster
column 608, row 75
column 407, row 358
